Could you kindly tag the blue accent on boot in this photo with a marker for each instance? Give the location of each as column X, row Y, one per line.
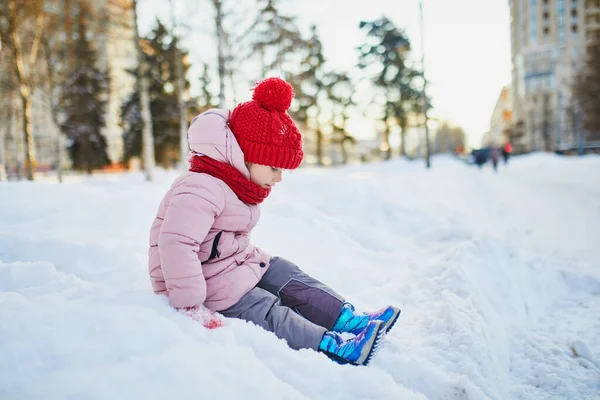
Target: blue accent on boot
column 349, row 321
column 358, row 350
column 352, row 322
column 388, row 315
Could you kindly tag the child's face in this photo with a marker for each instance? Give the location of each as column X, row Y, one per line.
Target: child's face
column 264, row 176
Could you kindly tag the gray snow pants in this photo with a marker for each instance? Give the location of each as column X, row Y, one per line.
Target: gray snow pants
column 291, row 304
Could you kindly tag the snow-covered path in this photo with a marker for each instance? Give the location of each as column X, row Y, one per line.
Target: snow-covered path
column 497, row 276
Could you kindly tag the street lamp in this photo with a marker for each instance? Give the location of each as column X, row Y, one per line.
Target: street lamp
column 423, row 94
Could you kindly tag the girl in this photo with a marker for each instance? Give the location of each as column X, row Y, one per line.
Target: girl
column 200, row 251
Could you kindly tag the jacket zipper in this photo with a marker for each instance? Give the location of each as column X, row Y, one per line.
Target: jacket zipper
column 214, row 253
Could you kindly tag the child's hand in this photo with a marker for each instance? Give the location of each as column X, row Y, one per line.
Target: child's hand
column 204, row 316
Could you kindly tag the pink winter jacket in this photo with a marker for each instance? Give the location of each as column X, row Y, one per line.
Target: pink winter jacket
column 200, row 251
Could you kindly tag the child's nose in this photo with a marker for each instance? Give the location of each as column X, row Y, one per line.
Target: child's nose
column 278, row 176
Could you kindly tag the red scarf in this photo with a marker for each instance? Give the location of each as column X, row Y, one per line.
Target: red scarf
column 246, row 190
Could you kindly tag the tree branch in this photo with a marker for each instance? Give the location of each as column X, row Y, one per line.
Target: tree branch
column 39, row 25
column 15, row 46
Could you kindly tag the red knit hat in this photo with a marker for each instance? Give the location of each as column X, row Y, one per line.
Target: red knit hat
column 264, row 130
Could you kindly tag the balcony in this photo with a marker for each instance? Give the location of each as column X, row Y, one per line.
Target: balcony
column 592, row 10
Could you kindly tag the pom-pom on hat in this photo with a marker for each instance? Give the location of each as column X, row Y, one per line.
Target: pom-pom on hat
column 264, row 130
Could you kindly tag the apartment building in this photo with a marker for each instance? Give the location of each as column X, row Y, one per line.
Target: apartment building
column 501, row 122
column 548, row 45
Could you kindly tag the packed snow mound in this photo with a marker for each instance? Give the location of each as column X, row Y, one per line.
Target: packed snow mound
column 496, row 275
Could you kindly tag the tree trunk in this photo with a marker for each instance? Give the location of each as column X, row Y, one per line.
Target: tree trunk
column 3, row 154
column 28, row 137
column 59, row 156
column 385, row 143
column 319, row 137
column 13, row 127
column 319, row 149
column 86, row 155
column 344, row 151
column 183, row 140
column 403, row 142
column 68, row 32
column 54, row 103
column 26, row 78
column 345, row 137
column 179, row 87
column 220, row 51
column 147, row 134
column 59, row 144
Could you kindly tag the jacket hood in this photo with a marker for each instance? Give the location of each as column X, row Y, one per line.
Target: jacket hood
column 209, row 135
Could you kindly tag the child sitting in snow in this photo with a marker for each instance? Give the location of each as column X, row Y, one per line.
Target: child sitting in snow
column 200, row 252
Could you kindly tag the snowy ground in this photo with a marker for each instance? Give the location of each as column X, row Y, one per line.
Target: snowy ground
column 497, row 276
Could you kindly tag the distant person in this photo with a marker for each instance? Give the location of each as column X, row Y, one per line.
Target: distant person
column 479, row 157
column 506, row 150
column 494, row 157
column 200, row 252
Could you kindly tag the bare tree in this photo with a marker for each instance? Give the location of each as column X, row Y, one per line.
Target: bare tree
column 22, row 32
column 179, row 88
column 147, row 135
column 8, row 87
column 3, row 146
column 54, row 93
column 58, row 55
column 221, row 49
column 448, row 138
column 547, row 126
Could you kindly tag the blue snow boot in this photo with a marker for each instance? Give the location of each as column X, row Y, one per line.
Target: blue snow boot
column 358, row 350
column 351, row 321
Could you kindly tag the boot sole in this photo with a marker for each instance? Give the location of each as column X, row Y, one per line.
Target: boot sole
column 385, row 330
column 392, row 321
column 376, row 342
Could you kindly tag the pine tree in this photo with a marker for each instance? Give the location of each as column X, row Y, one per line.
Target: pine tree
column 159, row 53
column 386, row 49
column 339, row 90
column 84, row 102
column 206, row 98
column 310, row 89
column 275, row 38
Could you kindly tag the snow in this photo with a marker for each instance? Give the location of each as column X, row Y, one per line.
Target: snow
column 497, row 276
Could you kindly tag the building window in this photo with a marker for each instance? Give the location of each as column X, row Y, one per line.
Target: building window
column 574, row 28
column 522, row 24
column 574, row 52
column 552, row 82
column 560, row 10
column 533, row 20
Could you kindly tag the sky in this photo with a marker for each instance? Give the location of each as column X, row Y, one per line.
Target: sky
column 466, row 42
column 498, row 300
